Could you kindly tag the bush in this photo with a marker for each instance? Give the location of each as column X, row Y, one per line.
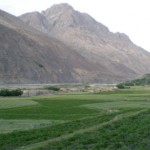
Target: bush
column 129, row 83
column 7, row 92
column 53, row 88
column 120, row 86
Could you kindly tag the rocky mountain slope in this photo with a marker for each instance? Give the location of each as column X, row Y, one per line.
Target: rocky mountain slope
column 29, row 56
column 91, row 39
column 62, row 45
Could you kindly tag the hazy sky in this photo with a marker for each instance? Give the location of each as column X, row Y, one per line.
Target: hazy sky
column 128, row 16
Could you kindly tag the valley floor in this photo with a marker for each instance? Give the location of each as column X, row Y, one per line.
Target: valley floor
column 106, row 120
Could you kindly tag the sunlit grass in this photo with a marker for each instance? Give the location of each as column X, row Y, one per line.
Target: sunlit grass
column 8, row 126
column 12, row 103
column 119, row 104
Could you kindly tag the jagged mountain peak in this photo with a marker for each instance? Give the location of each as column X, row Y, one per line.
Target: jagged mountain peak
column 66, row 13
column 62, row 16
column 58, row 11
column 58, row 8
column 37, row 19
column 122, row 36
column 31, row 14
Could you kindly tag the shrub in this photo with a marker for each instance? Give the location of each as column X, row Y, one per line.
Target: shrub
column 120, row 86
column 129, row 83
column 7, row 92
column 53, row 88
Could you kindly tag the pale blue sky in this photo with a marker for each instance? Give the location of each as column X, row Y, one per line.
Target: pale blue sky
column 128, row 16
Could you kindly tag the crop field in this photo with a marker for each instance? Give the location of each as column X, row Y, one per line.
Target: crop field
column 116, row 120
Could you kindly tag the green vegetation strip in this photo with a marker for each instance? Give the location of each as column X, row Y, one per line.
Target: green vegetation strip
column 119, row 104
column 7, row 126
column 77, row 133
column 16, row 139
column 51, row 108
column 102, row 136
column 145, row 80
column 12, row 103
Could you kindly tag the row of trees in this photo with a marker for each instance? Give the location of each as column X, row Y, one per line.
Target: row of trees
column 14, row 92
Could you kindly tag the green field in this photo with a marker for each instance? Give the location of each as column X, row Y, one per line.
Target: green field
column 117, row 120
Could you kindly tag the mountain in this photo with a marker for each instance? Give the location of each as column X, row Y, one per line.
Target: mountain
column 114, row 52
column 62, row 45
column 29, row 56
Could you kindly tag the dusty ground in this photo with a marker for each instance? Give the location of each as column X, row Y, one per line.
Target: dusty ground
column 41, row 89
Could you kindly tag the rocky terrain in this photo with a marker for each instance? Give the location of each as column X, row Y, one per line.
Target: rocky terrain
column 29, row 56
column 62, row 45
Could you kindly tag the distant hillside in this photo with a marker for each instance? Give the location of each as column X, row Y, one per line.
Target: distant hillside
column 144, row 80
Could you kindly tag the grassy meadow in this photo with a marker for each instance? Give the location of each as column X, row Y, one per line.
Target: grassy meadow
column 115, row 120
